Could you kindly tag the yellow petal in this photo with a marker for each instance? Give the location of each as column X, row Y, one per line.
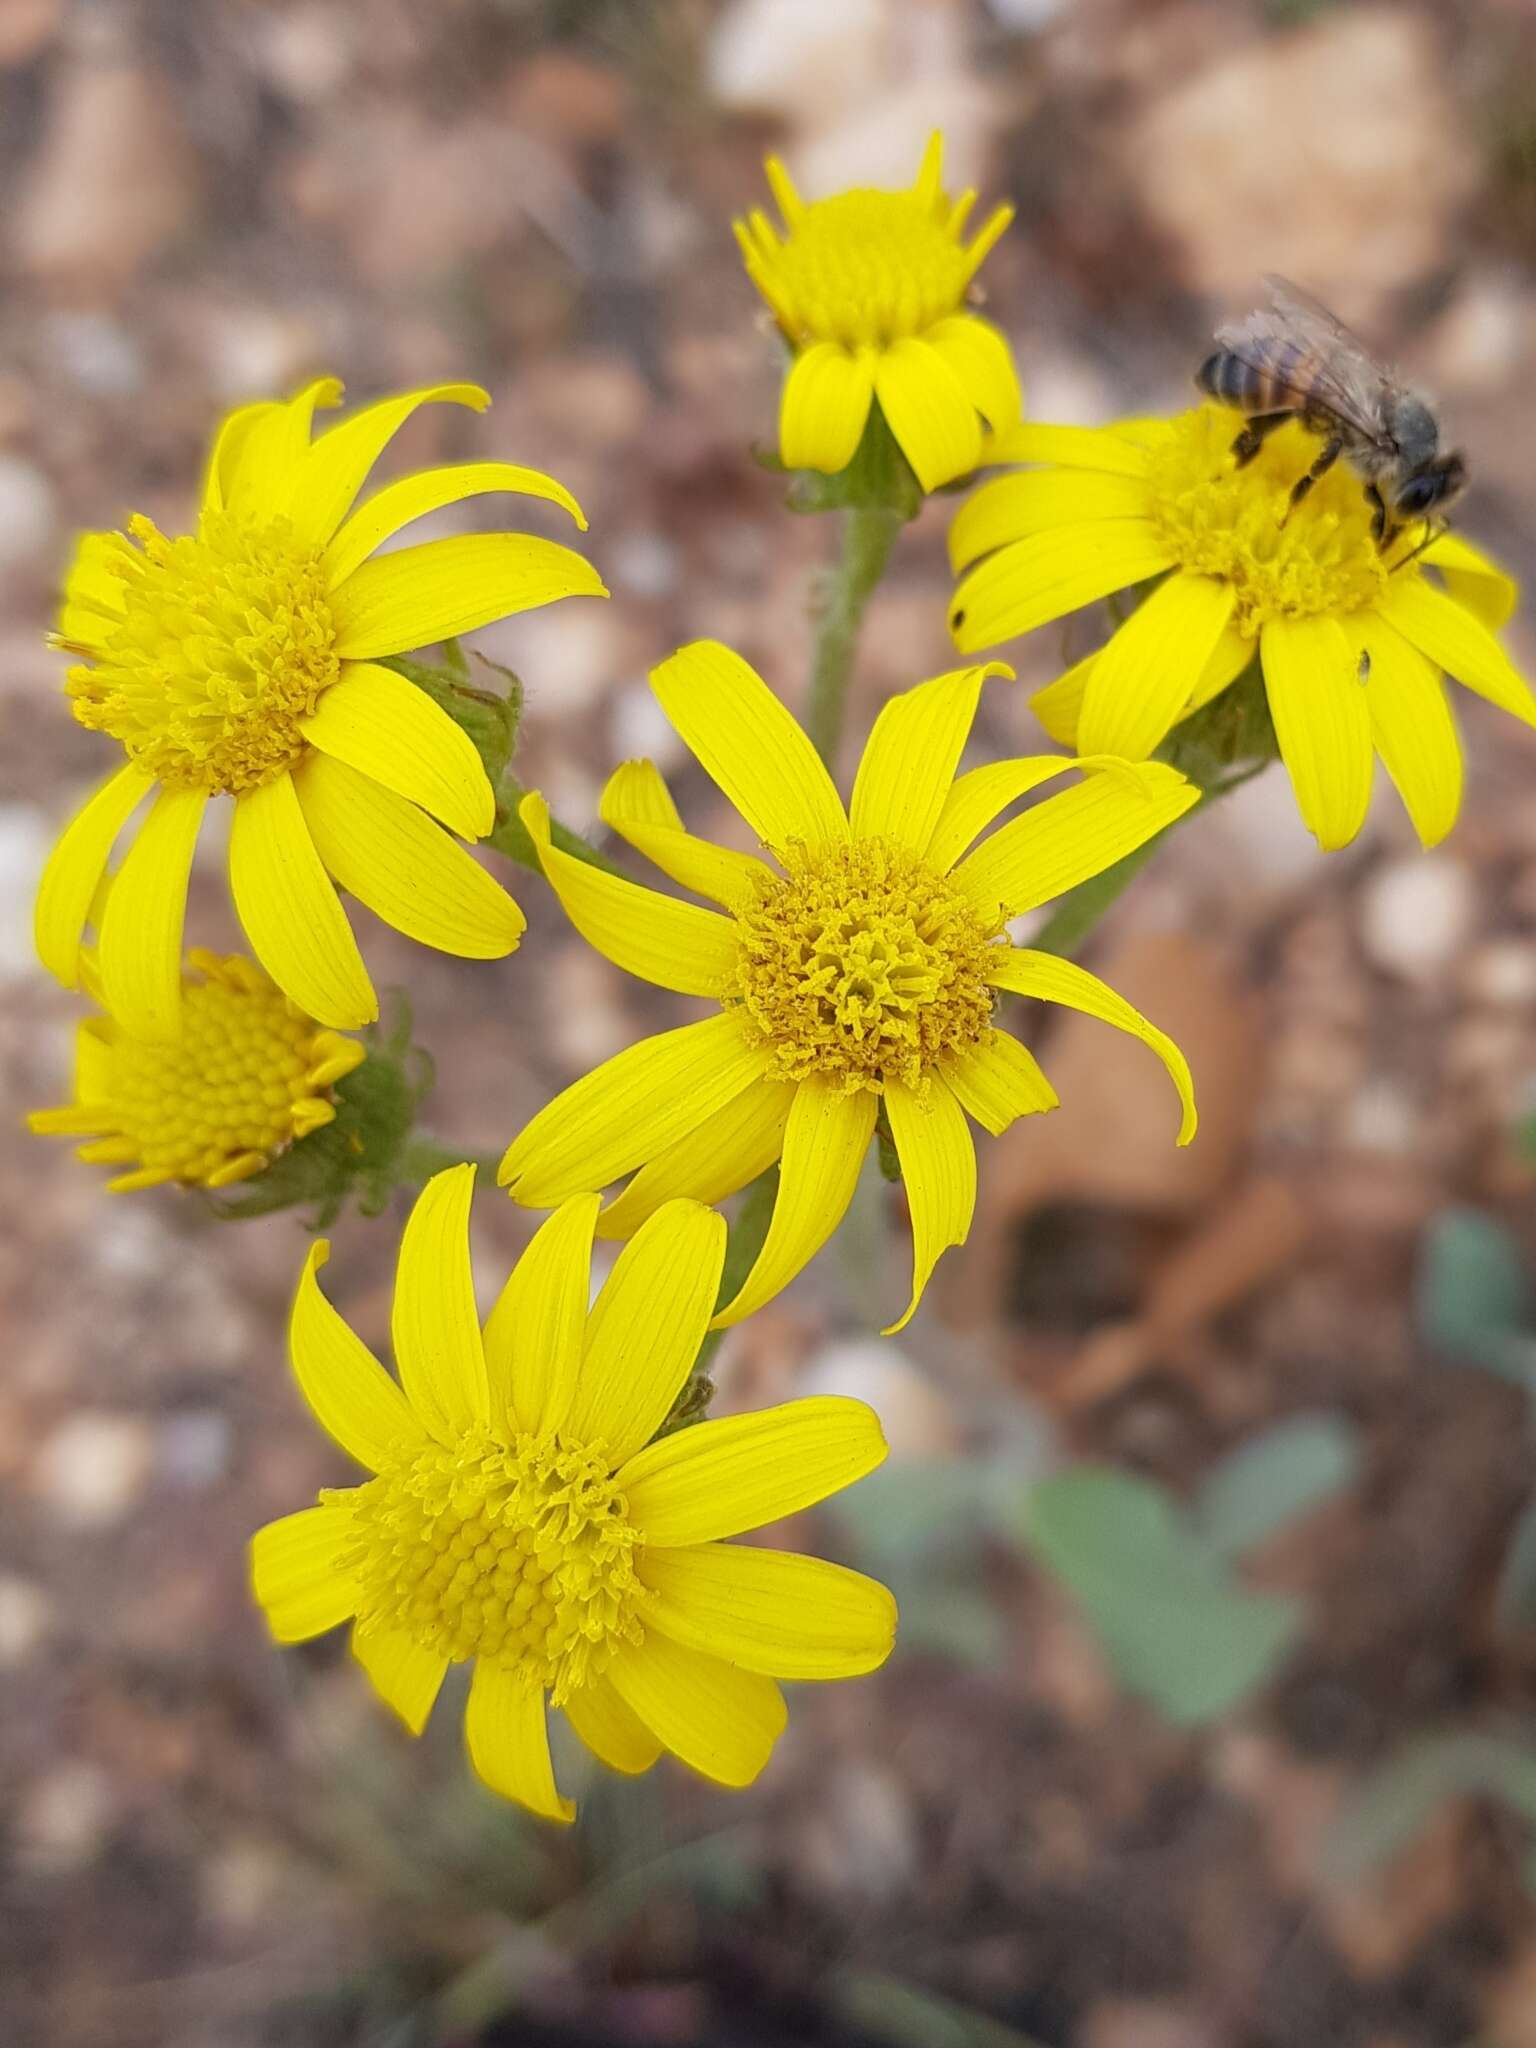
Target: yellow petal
column 1010, row 508
column 825, row 1140
column 1050, row 574
column 729, row 1149
column 615, row 1734
column 1062, row 981
column 337, row 463
column 913, row 751
column 998, row 1081
column 1105, row 448
column 630, row 1110
column 228, row 448
column 721, row 1478
column 1456, row 640
column 535, row 1334
column 350, row 1394
column 93, row 1061
column 646, row 1327
column 140, row 952
column 508, row 1741
column 976, row 797
column 749, row 745
column 1474, row 579
column 406, row 1675
column 824, row 406
column 1064, row 840
column 269, row 459
column 721, row 1722
column 377, row 722
column 1059, row 705
column 439, row 588
column 406, row 869
column 929, row 411
column 674, row 945
column 1140, row 684
column 1226, row 662
column 297, row 1575
column 429, row 490
column 75, row 867
column 769, row 1610
column 1413, row 729
column 93, row 595
column 435, row 1326
column 289, row 911
column 1322, row 723
column 938, row 1170
column 638, row 806
column 982, row 362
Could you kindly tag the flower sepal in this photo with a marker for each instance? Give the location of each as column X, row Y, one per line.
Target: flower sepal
column 879, row 478
column 490, row 717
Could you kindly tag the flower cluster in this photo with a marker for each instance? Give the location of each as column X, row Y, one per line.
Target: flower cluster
column 542, row 1502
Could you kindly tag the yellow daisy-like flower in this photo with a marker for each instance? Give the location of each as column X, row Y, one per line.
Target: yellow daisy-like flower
column 1352, row 637
column 243, row 661
column 248, row 1074
column 519, row 1516
column 869, row 289
column 863, row 969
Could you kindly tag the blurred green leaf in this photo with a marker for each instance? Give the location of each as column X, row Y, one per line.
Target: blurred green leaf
column 1392, row 1805
column 910, row 1513
column 1273, row 1479
column 1474, row 1297
column 902, row 2016
column 1176, row 1628
column 1515, row 1606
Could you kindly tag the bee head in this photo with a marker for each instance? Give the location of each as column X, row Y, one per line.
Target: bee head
column 1436, row 484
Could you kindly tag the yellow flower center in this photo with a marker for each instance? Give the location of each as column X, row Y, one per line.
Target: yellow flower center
column 523, row 1553
column 865, row 267
column 236, row 1087
column 227, row 643
column 863, row 965
column 1284, row 561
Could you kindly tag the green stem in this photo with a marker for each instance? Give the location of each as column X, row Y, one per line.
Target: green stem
column 510, row 836
column 869, row 533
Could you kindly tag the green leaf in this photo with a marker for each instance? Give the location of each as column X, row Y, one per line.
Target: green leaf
column 1273, row 1479
column 900, row 2015
column 1393, row 1804
column 1474, row 1298
column 1176, row 1629
column 1515, row 1606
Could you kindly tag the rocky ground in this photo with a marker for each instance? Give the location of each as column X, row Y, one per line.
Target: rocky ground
column 205, row 1843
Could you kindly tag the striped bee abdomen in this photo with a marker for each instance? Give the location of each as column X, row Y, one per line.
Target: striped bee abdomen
column 1275, row 388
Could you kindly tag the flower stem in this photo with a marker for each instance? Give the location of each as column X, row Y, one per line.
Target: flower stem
column 510, row 835
column 869, row 532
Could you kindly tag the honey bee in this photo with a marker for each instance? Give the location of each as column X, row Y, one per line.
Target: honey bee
column 1294, row 360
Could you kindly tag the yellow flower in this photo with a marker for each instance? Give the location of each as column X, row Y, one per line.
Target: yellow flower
column 1352, row 638
column 864, row 970
column 242, row 661
column 249, row 1074
column 520, row 1517
column 869, row 289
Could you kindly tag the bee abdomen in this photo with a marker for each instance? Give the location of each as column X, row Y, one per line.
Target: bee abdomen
column 1230, row 381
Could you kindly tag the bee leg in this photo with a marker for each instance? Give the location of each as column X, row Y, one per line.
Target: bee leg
column 1328, row 455
column 1378, row 506
column 1254, row 434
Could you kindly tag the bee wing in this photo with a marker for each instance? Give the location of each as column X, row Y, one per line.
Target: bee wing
column 1312, row 356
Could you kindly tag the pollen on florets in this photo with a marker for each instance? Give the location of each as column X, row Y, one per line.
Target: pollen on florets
column 518, row 1552
column 226, row 644
column 1284, row 561
column 863, row 965
column 249, row 1074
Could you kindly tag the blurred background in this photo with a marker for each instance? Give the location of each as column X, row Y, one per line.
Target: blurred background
column 1209, row 1509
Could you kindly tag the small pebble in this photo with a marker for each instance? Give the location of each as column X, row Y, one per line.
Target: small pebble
column 93, row 1468
column 1416, row 914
